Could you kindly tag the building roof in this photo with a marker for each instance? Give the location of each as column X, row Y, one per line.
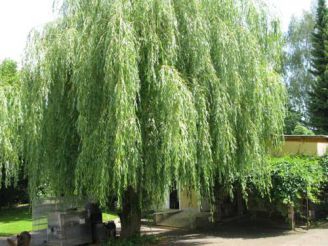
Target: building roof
column 304, row 138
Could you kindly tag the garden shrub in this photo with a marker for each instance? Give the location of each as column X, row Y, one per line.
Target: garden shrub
column 322, row 207
column 295, row 179
column 324, row 164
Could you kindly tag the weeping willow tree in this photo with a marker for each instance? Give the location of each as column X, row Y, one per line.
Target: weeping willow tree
column 126, row 98
column 10, row 122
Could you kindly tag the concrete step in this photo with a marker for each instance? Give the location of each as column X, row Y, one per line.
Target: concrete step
column 164, row 215
column 189, row 219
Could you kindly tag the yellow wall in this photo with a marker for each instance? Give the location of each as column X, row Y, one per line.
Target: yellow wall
column 188, row 199
column 304, row 148
column 299, row 148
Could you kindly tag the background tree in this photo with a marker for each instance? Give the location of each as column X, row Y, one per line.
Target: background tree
column 293, row 118
column 127, row 98
column 318, row 105
column 10, row 122
column 297, row 64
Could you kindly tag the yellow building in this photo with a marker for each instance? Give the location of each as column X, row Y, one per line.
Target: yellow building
column 182, row 209
column 305, row 145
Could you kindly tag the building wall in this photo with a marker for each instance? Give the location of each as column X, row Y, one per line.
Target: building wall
column 188, row 200
column 304, row 147
column 299, row 148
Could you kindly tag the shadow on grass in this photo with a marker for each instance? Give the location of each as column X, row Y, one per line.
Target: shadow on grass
column 144, row 240
column 10, row 215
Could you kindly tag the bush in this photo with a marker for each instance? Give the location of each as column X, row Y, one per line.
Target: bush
column 295, row 180
column 302, row 130
column 322, row 208
column 324, row 164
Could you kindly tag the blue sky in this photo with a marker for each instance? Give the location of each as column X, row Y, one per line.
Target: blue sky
column 18, row 17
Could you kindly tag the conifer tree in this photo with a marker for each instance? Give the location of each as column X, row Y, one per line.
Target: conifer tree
column 318, row 105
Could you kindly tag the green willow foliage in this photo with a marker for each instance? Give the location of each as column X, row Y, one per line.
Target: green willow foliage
column 145, row 93
column 10, row 122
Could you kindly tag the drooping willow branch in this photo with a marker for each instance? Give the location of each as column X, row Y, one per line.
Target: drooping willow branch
column 149, row 93
column 10, row 123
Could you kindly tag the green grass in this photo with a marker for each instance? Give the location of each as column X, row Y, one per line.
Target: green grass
column 15, row 220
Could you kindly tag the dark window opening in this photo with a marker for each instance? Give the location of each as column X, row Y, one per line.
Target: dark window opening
column 174, row 199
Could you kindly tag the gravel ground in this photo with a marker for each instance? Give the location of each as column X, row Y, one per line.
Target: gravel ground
column 249, row 236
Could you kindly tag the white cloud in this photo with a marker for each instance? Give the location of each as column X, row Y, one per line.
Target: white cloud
column 285, row 9
column 17, row 18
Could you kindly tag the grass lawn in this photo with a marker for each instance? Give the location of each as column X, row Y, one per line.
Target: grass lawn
column 15, row 220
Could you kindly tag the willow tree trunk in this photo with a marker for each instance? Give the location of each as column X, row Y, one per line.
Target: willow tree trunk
column 219, row 198
column 240, row 202
column 131, row 213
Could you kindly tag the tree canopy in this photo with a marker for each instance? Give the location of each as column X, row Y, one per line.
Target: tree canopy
column 122, row 94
